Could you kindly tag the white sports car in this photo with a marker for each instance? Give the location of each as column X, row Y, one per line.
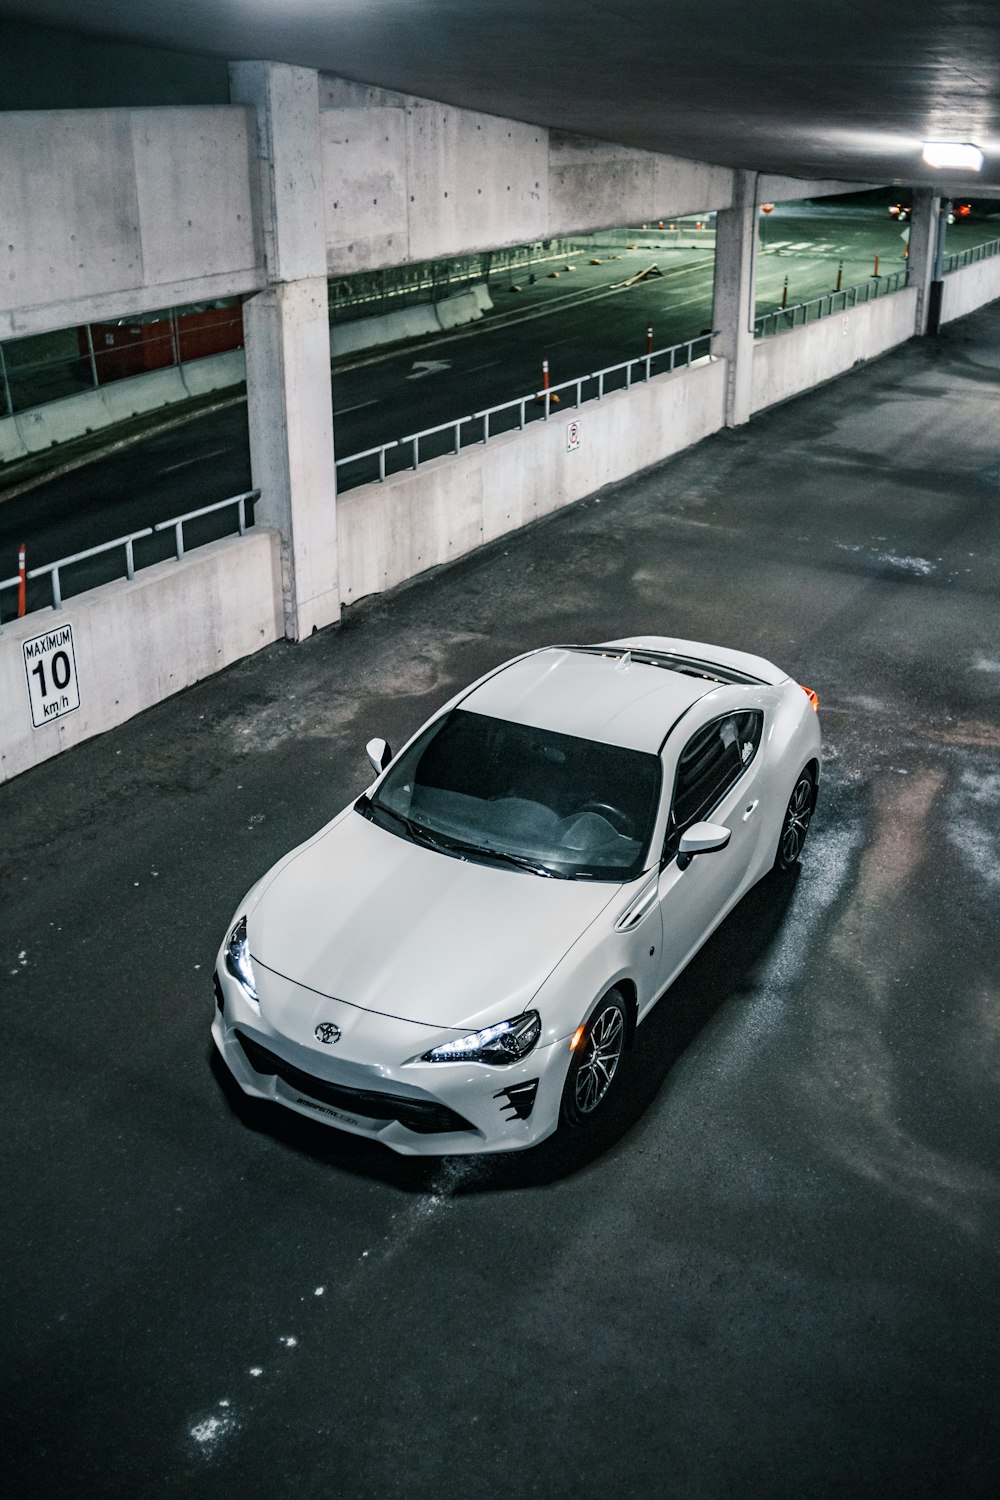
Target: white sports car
column 459, row 960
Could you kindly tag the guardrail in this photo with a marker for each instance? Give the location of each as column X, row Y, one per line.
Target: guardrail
column 785, row 318
column 970, row 257
column 533, row 406
column 177, row 522
column 54, row 569
column 7, row 583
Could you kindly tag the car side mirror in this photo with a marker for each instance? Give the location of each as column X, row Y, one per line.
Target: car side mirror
column 379, row 754
column 701, row 838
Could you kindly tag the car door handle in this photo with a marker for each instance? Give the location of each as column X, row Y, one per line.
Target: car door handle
column 751, row 809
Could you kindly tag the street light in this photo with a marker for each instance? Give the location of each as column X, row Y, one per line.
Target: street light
column 961, row 154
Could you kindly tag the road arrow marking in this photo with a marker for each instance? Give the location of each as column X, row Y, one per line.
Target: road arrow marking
column 424, row 367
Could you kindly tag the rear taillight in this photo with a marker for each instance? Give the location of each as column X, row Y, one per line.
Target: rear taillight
column 813, row 700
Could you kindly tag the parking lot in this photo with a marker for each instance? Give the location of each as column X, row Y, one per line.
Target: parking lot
column 773, row 1273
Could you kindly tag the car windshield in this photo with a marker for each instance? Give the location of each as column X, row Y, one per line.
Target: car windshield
column 479, row 787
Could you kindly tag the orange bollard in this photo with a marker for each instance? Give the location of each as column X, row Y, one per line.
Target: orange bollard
column 876, row 266
column 552, row 399
column 840, row 273
column 22, row 576
column 649, row 339
column 784, row 294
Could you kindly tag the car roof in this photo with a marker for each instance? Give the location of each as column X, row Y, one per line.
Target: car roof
column 598, row 693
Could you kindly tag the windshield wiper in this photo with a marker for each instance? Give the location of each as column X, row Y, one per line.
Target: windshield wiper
column 486, row 851
column 418, row 834
column 444, row 843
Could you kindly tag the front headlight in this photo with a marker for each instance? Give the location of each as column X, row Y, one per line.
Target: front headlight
column 238, row 958
column 506, row 1042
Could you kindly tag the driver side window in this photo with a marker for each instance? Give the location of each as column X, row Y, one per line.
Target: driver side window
column 711, row 762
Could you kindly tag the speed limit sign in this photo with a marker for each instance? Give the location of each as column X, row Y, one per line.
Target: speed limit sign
column 50, row 668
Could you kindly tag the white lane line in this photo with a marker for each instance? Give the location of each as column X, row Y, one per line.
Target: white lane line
column 487, row 366
column 341, row 411
column 185, row 462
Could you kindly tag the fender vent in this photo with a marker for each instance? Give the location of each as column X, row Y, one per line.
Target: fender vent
column 519, row 1098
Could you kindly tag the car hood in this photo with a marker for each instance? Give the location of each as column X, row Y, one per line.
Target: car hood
column 366, row 917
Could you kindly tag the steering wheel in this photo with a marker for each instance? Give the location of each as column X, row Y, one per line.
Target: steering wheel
column 619, row 821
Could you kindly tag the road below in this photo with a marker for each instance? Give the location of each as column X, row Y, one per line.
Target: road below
column 574, row 320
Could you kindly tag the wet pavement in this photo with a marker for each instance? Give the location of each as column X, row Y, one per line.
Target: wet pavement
column 775, row 1271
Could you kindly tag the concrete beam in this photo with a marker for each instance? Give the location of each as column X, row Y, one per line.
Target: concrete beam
column 406, row 179
column 285, row 101
column 287, row 340
column 921, row 243
column 290, row 410
column 108, row 212
column 734, row 295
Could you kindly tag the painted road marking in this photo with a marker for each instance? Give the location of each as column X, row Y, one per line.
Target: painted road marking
column 422, row 367
column 341, row 411
column 186, row 462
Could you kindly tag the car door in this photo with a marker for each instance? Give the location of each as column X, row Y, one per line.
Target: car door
column 716, row 781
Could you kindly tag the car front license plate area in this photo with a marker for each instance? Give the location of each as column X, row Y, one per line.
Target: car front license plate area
column 361, row 1108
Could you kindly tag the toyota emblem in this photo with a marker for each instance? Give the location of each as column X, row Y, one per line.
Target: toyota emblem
column 327, row 1033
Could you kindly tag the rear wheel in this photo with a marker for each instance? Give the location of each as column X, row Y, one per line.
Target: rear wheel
column 597, row 1060
column 798, row 816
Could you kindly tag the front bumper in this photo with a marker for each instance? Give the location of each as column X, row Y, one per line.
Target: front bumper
column 368, row 1088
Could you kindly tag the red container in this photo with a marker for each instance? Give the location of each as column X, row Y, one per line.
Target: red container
column 214, row 331
column 153, row 342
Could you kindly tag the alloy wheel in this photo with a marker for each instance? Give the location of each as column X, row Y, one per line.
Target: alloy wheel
column 604, row 1043
column 797, row 819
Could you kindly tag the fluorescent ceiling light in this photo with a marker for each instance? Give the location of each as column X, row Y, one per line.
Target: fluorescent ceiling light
column 953, row 154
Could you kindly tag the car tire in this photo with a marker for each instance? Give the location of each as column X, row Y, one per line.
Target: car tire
column 795, row 823
column 596, row 1064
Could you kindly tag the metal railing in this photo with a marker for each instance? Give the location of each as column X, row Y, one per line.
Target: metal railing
column 430, row 281
column 969, row 257
column 7, row 583
column 55, row 569
column 534, row 405
column 177, row 522
column 785, row 318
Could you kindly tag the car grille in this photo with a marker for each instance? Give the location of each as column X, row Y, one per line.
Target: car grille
column 420, row 1115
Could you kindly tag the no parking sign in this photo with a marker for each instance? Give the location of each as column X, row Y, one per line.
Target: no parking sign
column 572, row 436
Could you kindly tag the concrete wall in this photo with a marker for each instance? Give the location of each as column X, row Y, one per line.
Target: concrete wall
column 788, row 363
column 137, row 643
column 419, row 321
column 112, row 212
column 969, row 288
column 39, row 427
column 406, row 180
column 415, row 520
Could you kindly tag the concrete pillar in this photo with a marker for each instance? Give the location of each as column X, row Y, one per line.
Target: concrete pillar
column 935, row 295
column 734, row 294
column 289, row 397
column 923, row 233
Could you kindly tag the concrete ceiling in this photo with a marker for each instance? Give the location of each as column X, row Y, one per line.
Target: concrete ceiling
column 845, row 90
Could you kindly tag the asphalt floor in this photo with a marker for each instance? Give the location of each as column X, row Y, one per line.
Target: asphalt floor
column 774, row 1272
